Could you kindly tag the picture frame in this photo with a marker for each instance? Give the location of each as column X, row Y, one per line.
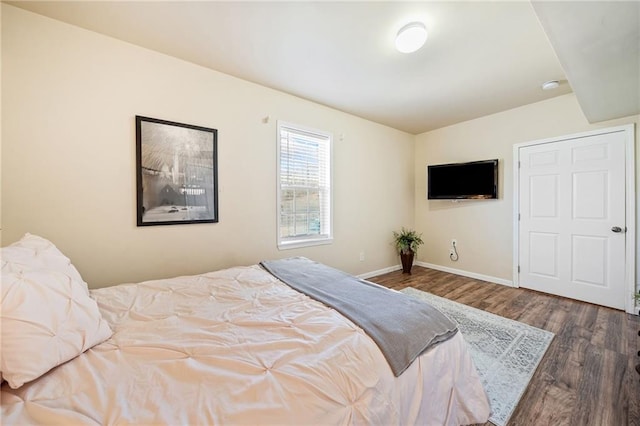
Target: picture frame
column 177, row 173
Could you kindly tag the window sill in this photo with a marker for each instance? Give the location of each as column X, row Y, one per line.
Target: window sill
column 303, row 243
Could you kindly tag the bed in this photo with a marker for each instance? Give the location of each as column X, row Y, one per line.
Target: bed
column 236, row 346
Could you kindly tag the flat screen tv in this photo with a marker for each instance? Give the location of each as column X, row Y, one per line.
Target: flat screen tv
column 473, row 180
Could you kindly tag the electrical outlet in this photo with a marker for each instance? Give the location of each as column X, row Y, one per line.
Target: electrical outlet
column 361, row 256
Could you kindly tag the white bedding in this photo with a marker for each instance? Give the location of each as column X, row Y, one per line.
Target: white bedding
column 237, row 346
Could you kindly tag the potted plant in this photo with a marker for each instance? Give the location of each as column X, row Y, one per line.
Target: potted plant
column 407, row 242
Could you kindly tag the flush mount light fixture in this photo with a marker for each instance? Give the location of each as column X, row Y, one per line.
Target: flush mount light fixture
column 550, row 85
column 411, row 37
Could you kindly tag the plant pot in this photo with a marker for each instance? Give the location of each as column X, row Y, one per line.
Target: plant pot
column 407, row 262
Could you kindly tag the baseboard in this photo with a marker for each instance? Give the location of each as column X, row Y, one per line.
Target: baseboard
column 473, row 275
column 368, row 275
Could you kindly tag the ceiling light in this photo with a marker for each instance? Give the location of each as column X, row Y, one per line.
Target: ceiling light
column 550, row 85
column 411, row 37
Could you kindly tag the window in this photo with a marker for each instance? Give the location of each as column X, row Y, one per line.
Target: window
column 304, row 187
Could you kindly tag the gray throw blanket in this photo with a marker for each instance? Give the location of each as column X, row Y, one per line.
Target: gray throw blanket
column 401, row 326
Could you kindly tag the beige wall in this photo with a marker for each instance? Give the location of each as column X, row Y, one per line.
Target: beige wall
column 0, row 130
column 68, row 166
column 484, row 228
column 69, row 98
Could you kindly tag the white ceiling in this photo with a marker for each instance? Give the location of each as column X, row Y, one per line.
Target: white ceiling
column 598, row 44
column 480, row 57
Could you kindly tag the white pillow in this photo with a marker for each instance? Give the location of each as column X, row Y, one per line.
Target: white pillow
column 47, row 315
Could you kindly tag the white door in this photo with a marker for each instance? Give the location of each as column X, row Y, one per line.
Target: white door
column 572, row 226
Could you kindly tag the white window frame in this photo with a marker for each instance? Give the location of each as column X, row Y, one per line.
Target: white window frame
column 327, row 222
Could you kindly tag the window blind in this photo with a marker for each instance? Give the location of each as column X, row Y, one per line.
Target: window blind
column 304, row 180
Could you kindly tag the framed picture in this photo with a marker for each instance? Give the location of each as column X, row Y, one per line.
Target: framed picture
column 177, row 179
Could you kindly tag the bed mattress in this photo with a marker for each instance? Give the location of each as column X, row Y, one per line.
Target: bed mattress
column 236, row 347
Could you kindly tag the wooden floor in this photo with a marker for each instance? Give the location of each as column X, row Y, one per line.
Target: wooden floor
column 587, row 376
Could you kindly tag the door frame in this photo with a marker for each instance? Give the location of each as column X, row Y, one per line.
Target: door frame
column 630, row 204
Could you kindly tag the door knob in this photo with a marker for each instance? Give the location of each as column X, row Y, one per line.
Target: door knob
column 616, row 229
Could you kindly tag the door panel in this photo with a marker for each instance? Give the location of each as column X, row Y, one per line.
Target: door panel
column 543, row 254
column 590, row 195
column 571, row 194
column 588, row 262
column 544, row 196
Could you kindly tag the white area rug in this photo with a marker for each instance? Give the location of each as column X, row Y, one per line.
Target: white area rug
column 505, row 352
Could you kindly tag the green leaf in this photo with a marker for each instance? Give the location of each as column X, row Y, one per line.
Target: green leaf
column 407, row 240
